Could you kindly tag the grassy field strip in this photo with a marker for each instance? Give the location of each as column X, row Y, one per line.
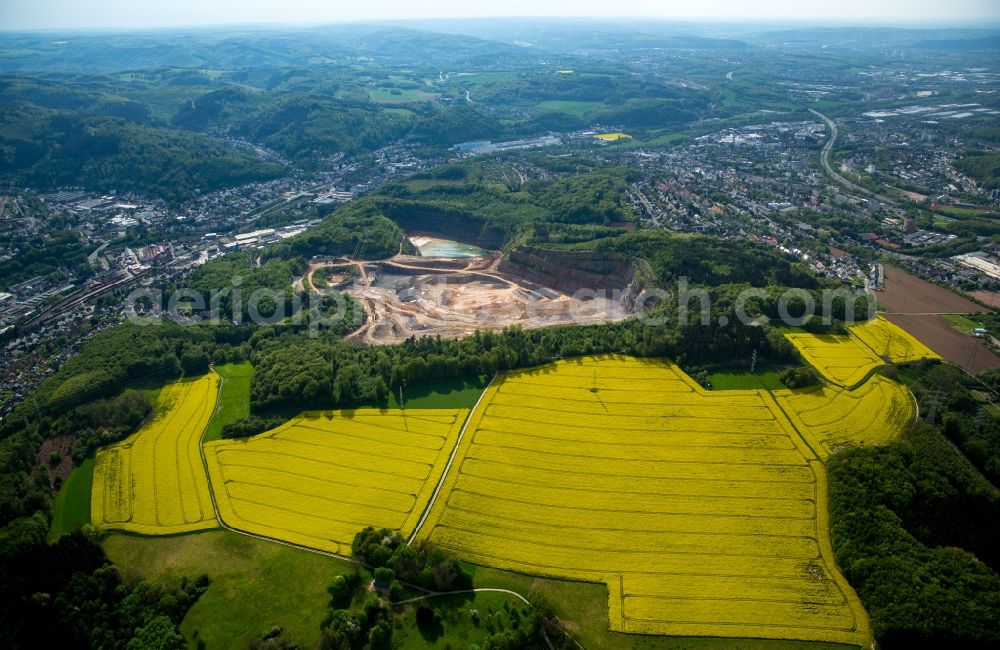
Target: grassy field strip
column 234, row 397
column 256, row 585
column 153, row 482
column 321, row 477
column 702, row 512
column 71, row 507
column 577, row 108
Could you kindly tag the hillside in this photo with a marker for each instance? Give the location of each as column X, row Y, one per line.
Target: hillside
column 239, row 48
column 984, row 167
column 47, row 148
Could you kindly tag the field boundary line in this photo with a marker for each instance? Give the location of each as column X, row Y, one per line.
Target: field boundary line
column 791, row 423
column 218, row 401
column 204, row 458
column 827, row 556
column 868, row 375
column 349, row 560
column 451, row 460
column 218, row 514
column 916, row 404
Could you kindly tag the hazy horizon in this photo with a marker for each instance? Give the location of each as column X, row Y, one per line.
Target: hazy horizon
column 40, row 15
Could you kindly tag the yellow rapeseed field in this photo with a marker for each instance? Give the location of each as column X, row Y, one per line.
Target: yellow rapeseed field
column 840, row 358
column 613, row 137
column 892, row 342
column 703, row 512
column 323, row 476
column 832, row 418
column 846, row 359
column 154, row 482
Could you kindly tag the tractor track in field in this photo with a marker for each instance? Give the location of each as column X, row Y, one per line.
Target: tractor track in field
column 451, row 460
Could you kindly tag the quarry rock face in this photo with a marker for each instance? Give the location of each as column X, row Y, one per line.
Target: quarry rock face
column 567, row 271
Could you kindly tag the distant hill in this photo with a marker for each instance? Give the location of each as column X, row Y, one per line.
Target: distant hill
column 572, row 34
column 228, row 49
column 882, row 37
column 960, row 44
column 48, row 148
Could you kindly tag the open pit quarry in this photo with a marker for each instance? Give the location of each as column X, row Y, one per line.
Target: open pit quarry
column 406, row 295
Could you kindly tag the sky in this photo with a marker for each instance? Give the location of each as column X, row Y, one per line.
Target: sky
column 45, row 14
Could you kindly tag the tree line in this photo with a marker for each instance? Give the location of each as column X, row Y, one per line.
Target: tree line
column 69, row 595
column 914, row 528
column 363, row 619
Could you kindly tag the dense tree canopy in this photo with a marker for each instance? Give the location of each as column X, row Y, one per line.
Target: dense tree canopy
column 984, row 167
column 111, row 153
column 67, row 595
column 901, row 516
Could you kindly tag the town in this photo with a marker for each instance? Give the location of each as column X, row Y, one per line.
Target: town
column 759, row 182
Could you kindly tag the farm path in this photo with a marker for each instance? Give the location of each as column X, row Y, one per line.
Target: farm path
column 451, row 460
column 480, row 590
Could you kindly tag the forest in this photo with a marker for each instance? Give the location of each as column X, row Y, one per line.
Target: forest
column 357, row 618
column 452, row 201
column 48, row 149
column 914, row 528
column 69, row 595
column 984, row 167
column 358, row 230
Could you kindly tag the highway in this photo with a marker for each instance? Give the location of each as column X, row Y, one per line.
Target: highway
column 825, row 159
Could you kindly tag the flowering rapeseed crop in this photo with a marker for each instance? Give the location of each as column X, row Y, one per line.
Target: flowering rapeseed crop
column 832, row 418
column 703, row 512
column 154, row 481
column 892, row 342
column 841, row 359
column 321, row 477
